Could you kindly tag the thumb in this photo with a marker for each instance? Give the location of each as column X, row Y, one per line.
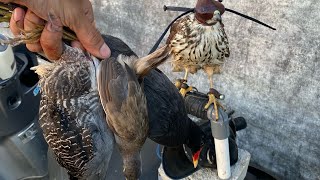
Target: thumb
column 91, row 39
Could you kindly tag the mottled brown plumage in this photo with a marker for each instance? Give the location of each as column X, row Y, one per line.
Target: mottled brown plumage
column 198, row 41
column 194, row 45
column 124, row 102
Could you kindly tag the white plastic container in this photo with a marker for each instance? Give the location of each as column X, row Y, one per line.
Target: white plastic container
column 8, row 65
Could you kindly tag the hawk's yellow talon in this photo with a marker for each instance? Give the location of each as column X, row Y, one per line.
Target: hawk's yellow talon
column 184, row 91
column 178, row 84
column 212, row 100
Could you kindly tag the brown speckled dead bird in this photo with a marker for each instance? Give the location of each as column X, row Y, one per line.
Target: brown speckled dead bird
column 120, row 83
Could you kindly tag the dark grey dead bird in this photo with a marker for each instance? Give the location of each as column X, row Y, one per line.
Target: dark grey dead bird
column 169, row 124
column 168, row 120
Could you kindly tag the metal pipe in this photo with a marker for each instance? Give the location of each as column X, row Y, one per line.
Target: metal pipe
column 195, row 102
column 176, row 8
column 223, row 158
column 220, row 132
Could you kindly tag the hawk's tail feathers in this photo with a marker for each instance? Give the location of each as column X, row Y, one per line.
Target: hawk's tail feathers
column 145, row 64
column 43, row 69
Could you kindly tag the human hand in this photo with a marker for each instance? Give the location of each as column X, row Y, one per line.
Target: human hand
column 54, row 14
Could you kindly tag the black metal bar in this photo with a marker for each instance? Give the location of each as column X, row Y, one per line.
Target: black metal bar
column 175, row 8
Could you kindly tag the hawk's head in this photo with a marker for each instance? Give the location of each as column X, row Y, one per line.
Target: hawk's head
column 208, row 12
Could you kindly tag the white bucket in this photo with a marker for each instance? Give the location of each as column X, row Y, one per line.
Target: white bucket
column 8, row 65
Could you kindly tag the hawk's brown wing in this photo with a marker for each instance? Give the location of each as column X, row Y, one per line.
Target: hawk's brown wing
column 177, row 27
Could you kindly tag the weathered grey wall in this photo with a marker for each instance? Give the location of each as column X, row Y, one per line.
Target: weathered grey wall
column 272, row 77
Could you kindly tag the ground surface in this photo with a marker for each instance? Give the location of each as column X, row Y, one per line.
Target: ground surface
column 150, row 163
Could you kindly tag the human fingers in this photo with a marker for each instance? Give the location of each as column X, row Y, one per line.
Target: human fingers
column 32, row 22
column 74, row 14
column 88, row 11
column 88, row 35
column 92, row 40
column 51, row 38
column 17, row 21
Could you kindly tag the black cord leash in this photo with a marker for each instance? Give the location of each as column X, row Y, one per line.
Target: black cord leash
column 190, row 10
column 250, row 18
column 174, row 8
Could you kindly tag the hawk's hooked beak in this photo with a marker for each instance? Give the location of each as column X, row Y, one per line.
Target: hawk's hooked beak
column 195, row 158
column 217, row 16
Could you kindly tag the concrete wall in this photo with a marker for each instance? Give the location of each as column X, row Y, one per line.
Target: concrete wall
column 272, row 78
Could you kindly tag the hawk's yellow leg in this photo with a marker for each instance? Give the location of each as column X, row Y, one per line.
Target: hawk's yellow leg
column 212, row 100
column 184, row 88
column 210, row 70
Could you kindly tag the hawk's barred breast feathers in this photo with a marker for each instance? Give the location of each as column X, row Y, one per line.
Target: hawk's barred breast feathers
column 194, row 44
